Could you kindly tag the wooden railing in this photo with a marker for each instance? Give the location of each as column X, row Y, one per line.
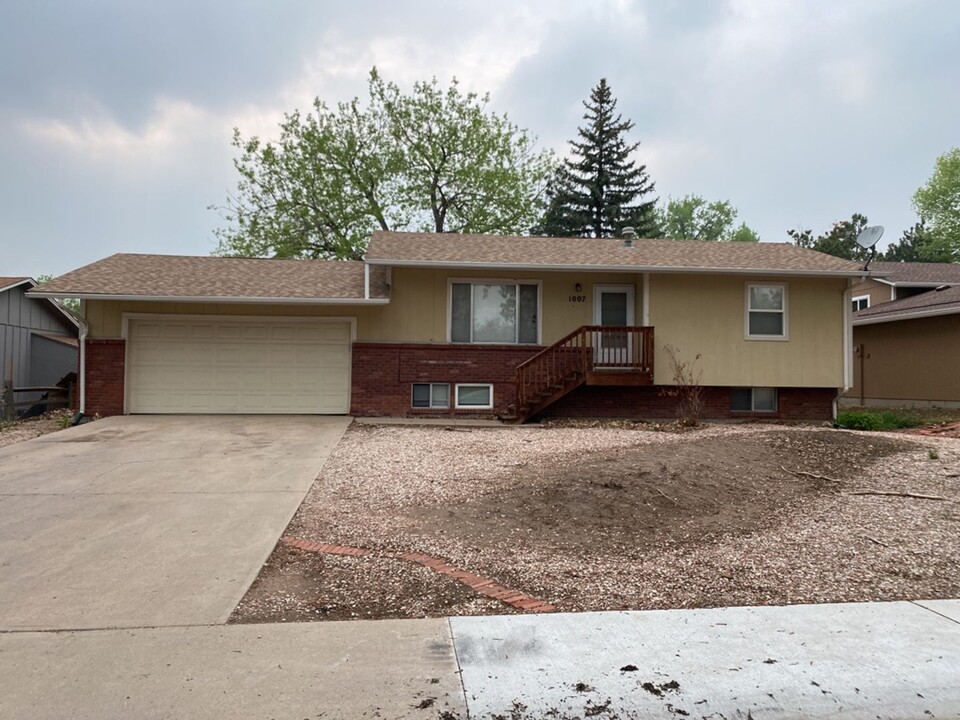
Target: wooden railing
column 587, row 349
column 53, row 396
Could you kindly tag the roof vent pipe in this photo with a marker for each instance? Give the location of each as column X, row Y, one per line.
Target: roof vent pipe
column 628, row 236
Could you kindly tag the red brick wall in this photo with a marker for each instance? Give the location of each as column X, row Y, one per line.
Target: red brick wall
column 383, row 375
column 104, row 361
column 649, row 402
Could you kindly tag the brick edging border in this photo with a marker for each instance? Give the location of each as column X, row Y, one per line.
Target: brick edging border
column 480, row 585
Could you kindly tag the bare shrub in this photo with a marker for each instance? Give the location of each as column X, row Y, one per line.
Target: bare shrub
column 686, row 386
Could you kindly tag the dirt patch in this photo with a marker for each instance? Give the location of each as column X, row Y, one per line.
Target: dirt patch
column 654, row 494
column 19, row 430
column 295, row 586
column 617, row 517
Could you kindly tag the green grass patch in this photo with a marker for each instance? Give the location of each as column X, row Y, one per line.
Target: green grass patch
column 876, row 420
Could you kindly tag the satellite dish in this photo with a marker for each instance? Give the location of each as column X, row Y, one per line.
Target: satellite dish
column 868, row 239
column 870, row 236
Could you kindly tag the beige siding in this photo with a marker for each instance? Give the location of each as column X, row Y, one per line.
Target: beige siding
column 705, row 314
column 879, row 292
column 696, row 313
column 417, row 311
column 908, row 360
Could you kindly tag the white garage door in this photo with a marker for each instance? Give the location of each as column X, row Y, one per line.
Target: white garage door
column 222, row 365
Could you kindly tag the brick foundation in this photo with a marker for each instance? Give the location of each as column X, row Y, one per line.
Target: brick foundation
column 104, row 388
column 383, row 374
column 649, row 402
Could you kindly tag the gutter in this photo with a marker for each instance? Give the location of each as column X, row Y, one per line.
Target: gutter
column 539, row 267
column 892, row 317
column 211, row 299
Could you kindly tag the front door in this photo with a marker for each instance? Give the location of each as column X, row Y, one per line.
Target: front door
column 613, row 307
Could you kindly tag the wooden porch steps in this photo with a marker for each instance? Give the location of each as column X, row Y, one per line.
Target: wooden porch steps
column 590, row 355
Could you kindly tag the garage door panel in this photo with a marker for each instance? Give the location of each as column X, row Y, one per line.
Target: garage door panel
column 185, row 365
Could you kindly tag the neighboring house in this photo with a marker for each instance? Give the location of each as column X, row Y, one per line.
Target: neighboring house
column 907, row 352
column 446, row 324
column 38, row 338
column 902, row 280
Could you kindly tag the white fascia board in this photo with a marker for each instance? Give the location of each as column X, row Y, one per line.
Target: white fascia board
column 873, row 320
column 923, row 284
column 538, row 267
column 225, row 300
column 25, row 281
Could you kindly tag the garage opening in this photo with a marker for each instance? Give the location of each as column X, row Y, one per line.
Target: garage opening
column 204, row 364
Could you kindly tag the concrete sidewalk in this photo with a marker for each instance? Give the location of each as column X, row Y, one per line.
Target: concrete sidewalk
column 872, row 660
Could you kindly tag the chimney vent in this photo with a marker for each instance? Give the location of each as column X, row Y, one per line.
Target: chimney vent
column 628, row 236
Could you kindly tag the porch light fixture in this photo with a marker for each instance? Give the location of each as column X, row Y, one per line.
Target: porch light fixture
column 578, row 287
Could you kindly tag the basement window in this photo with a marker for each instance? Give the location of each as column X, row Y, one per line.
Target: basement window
column 758, row 399
column 431, row 395
column 475, row 396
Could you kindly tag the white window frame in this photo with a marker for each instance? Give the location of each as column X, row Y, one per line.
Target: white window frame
column 753, row 401
column 784, row 311
column 456, row 396
column 430, row 405
column 856, row 299
column 493, row 281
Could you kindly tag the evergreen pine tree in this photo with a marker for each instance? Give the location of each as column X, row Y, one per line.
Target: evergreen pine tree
column 599, row 190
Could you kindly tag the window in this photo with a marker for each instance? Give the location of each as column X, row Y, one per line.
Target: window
column 431, row 395
column 861, row 302
column 756, row 399
column 494, row 312
column 766, row 312
column 474, row 396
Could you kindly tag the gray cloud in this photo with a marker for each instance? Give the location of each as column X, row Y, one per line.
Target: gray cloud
column 115, row 117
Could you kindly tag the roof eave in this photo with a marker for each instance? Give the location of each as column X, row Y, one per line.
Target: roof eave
column 899, row 283
column 24, row 281
column 214, row 299
column 906, row 315
column 53, row 299
column 615, row 268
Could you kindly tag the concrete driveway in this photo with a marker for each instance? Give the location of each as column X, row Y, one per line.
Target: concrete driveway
column 149, row 521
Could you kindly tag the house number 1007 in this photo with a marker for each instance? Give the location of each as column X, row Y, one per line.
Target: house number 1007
column 577, row 298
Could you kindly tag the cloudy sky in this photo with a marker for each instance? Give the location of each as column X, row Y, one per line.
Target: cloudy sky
column 116, row 116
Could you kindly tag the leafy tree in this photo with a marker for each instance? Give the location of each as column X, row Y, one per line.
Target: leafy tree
column 938, row 203
column 909, row 248
column 435, row 159
column 693, row 218
column 840, row 240
column 599, row 190
column 744, row 233
column 69, row 303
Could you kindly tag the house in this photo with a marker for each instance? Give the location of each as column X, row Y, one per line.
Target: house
column 907, row 351
column 38, row 338
column 446, row 324
column 901, row 280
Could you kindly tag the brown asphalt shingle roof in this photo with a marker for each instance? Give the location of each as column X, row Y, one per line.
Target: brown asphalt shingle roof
column 6, row 282
column 916, row 272
column 173, row 276
column 494, row 250
column 946, row 300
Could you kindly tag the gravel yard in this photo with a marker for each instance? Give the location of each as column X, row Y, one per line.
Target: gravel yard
column 15, row 431
column 618, row 516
